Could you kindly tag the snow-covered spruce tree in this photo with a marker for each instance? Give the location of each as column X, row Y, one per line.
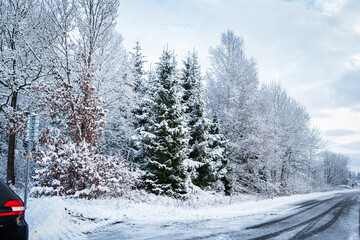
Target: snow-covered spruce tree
column 143, row 119
column 141, row 109
column 165, row 136
column 206, row 168
column 218, row 156
column 196, row 122
column 140, row 85
column 138, row 69
column 232, row 93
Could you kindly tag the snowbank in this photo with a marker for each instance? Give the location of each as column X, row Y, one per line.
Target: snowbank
column 61, row 218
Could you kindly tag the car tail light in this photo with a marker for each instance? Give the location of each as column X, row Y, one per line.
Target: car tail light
column 17, row 207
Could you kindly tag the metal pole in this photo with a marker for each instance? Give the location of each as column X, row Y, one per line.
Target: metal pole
column 28, row 161
column 28, row 156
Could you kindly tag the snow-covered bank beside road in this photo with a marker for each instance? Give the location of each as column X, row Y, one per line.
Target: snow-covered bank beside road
column 61, row 218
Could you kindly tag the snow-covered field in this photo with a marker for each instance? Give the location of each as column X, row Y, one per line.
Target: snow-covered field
column 61, row 218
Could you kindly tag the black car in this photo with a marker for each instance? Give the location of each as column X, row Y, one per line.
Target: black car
column 12, row 220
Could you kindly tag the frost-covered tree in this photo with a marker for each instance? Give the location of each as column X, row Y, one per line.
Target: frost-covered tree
column 86, row 28
column 61, row 25
column 95, row 21
column 77, row 103
column 165, row 137
column 103, row 48
column 68, row 169
column 116, row 88
column 232, row 93
column 69, row 163
column 336, row 168
column 22, row 62
column 295, row 143
column 91, row 76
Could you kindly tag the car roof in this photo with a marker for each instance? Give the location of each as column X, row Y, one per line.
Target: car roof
column 6, row 193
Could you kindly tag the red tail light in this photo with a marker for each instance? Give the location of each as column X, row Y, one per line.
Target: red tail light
column 17, row 207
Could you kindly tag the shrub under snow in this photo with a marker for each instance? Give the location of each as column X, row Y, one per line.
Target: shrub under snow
column 77, row 170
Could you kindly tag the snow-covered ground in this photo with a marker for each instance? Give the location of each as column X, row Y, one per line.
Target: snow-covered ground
column 61, row 218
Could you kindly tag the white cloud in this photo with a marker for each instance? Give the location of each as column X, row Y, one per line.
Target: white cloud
column 330, row 7
column 354, row 62
column 339, row 118
column 357, row 25
column 340, row 133
column 342, row 130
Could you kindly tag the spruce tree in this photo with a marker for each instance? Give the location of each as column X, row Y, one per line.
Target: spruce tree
column 140, row 85
column 164, row 137
column 141, row 109
column 138, row 69
column 196, row 122
column 218, row 155
column 143, row 119
column 207, row 164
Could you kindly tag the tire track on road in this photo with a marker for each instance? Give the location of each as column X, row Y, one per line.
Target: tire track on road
column 322, row 228
column 319, row 216
column 307, row 228
column 306, row 233
column 288, row 217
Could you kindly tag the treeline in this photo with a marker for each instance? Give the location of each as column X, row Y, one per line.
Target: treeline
column 109, row 126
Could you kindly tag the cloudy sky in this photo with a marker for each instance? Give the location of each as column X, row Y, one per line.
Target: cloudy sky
column 311, row 46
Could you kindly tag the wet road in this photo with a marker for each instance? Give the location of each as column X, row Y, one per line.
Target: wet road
column 333, row 218
column 336, row 217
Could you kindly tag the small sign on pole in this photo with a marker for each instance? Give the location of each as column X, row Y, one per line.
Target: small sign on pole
column 31, row 136
column 33, row 127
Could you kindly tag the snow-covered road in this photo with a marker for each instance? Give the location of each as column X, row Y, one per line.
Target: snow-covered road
column 333, row 216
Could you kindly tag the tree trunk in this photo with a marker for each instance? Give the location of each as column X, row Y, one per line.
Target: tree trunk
column 11, row 150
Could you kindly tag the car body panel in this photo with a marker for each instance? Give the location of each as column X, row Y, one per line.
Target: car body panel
column 13, row 227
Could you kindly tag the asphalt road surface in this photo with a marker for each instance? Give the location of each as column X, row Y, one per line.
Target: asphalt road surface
column 336, row 217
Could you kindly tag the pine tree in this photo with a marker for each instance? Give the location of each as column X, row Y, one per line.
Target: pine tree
column 164, row 138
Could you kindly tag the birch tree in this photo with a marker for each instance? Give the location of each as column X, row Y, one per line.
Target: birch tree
column 336, row 168
column 296, row 143
column 232, row 93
